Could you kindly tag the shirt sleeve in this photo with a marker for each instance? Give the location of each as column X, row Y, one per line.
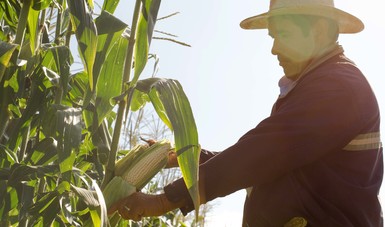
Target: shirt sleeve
column 205, row 155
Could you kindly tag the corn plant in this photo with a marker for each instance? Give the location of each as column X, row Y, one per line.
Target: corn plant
column 59, row 131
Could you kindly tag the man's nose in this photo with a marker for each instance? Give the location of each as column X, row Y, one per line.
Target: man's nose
column 274, row 48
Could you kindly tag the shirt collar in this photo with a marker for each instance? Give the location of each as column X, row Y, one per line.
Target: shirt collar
column 286, row 85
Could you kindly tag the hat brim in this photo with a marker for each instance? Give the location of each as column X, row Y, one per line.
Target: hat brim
column 347, row 23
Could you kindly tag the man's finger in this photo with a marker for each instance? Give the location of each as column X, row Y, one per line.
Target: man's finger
column 124, row 213
column 114, row 207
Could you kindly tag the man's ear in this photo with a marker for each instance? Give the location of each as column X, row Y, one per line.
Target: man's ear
column 321, row 27
column 320, row 30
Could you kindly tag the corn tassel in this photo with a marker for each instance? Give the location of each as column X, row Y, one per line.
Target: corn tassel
column 136, row 169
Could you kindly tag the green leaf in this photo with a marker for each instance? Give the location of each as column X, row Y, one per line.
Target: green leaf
column 86, row 35
column 172, row 104
column 65, row 125
column 6, row 51
column 9, row 199
column 43, row 202
column 26, row 201
column 145, row 88
column 7, row 157
column 143, row 35
column 46, row 208
column 3, row 194
column 96, row 220
column 139, row 100
column 13, row 83
column 110, row 5
column 11, row 11
column 65, row 207
column 67, row 160
column 41, row 4
column 185, row 132
column 91, row 4
column 52, row 76
column 59, row 59
column 69, row 126
column 159, row 108
column 44, row 152
column 33, row 20
column 64, row 186
column 153, row 9
column 35, row 102
column 110, row 31
column 109, row 63
column 15, row 110
column 20, row 173
column 79, row 85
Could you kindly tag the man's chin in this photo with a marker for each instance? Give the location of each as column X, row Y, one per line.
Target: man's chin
column 292, row 76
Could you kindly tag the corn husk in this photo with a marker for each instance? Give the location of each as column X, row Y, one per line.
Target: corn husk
column 136, row 169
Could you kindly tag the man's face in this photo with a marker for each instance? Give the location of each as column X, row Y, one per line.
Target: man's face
column 293, row 48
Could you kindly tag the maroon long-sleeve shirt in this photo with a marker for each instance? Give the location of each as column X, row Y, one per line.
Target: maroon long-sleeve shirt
column 318, row 156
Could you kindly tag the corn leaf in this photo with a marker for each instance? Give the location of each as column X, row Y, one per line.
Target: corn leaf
column 110, row 5
column 65, row 125
column 9, row 13
column 6, row 51
column 144, row 88
column 109, row 62
column 69, row 127
column 41, row 4
column 59, row 59
column 65, row 207
column 25, row 201
column 171, row 102
column 44, row 152
column 143, row 35
column 47, row 207
column 8, row 157
column 21, row 172
column 139, row 100
column 9, row 199
column 33, row 20
column 86, row 35
column 35, row 102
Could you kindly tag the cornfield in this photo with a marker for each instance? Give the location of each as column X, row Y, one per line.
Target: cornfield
column 59, row 129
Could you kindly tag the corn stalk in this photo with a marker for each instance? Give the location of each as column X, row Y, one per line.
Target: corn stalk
column 124, row 102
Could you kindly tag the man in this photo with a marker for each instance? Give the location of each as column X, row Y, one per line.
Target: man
column 317, row 160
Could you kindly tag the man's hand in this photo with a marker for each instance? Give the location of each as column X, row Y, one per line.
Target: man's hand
column 140, row 205
column 172, row 160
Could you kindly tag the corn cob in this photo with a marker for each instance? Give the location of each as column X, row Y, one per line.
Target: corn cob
column 125, row 163
column 136, row 169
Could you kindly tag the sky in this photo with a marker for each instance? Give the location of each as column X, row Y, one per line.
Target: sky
column 230, row 75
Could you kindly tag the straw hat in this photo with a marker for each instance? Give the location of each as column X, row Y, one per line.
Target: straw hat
column 347, row 23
